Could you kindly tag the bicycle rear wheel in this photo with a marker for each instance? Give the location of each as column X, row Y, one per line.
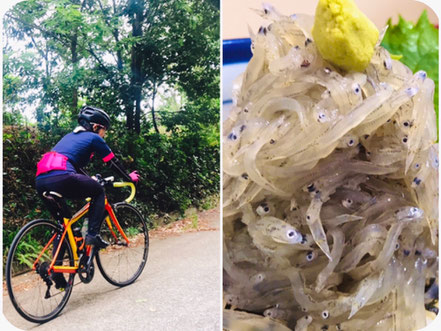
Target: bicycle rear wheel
column 26, row 285
column 122, row 262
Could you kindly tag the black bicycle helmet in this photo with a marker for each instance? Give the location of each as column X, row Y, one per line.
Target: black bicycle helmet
column 93, row 115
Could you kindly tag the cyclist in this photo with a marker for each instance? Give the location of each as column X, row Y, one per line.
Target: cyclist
column 60, row 170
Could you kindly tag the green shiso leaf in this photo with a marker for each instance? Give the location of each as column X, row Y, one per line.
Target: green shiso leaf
column 418, row 44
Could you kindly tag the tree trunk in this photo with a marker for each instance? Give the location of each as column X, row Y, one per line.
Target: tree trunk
column 136, row 10
column 75, row 59
column 73, row 48
column 116, row 36
column 153, row 108
column 138, row 97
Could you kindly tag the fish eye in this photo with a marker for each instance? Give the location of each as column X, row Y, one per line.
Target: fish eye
column 406, row 123
column 259, row 277
column 245, row 176
column 321, row 117
column 262, row 30
column 397, row 246
column 351, row 142
column 232, row 136
column 291, row 234
column 309, row 256
column 325, row 314
column 422, row 75
column 356, row 88
column 347, row 202
column 411, row 91
column 266, row 209
column 311, row 187
column 405, row 140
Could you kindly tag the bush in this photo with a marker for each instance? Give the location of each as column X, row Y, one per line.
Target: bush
column 177, row 169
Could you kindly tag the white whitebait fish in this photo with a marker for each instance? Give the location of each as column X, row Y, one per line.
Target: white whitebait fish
column 330, row 189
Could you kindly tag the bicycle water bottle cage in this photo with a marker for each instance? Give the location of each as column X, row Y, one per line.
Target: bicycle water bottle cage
column 58, row 206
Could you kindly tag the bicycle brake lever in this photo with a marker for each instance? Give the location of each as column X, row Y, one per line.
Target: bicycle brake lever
column 100, row 179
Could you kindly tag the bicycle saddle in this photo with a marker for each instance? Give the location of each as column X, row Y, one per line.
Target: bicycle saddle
column 51, row 195
column 58, row 206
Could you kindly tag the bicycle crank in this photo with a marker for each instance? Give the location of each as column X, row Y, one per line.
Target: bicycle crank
column 86, row 269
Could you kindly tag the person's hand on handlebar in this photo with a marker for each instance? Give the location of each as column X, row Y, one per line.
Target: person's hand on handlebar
column 134, row 176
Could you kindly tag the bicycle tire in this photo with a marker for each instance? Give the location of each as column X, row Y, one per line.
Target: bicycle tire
column 121, row 265
column 26, row 287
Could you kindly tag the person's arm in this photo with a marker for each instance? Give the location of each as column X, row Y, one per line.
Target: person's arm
column 115, row 165
column 112, row 161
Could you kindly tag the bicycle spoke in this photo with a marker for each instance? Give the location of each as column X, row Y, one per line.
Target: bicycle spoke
column 122, row 264
column 26, row 287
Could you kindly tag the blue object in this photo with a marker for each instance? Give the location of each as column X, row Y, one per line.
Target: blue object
column 236, row 55
column 236, row 51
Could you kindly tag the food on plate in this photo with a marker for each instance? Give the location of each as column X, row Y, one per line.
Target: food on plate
column 330, row 189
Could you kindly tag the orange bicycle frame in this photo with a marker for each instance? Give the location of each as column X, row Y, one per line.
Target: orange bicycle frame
column 67, row 224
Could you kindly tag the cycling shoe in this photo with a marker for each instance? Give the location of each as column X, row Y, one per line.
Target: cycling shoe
column 96, row 241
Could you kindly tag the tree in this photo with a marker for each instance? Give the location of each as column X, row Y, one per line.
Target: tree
column 122, row 56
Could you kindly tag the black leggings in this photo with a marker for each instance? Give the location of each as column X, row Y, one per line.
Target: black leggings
column 75, row 186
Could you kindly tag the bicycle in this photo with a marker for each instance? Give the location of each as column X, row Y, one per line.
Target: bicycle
column 43, row 248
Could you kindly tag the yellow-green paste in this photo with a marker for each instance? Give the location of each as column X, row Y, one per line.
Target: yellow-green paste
column 344, row 35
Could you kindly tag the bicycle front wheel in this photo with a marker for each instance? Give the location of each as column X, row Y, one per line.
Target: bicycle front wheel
column 27, row 280
column 123, row 261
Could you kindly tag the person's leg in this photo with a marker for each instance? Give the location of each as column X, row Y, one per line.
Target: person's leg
column 58, row 209
column 58, row 213
column 76, row 186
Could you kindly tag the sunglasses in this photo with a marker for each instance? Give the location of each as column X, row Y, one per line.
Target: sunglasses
column 99, row 125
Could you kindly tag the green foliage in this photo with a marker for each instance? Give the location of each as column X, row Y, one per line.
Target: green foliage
column 131, row 231
column 177, row 170
column 90, row 52
column 28, row 251
column 418, row 44
column 194, row 221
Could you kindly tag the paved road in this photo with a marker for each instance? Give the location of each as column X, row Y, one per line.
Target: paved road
column 178, row 290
